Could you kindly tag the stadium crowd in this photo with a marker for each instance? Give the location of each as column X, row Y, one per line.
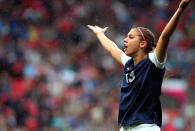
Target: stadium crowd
column 55, row 76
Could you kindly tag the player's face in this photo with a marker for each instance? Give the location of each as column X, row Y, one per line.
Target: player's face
column 132, row 42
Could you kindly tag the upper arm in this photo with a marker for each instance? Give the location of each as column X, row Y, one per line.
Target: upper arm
column 161, row 48
column 116, row 53
column 119, row 55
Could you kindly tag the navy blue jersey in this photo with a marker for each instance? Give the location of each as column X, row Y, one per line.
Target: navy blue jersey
column 140, row 92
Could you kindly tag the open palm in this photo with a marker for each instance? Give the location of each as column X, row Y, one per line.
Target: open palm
column 97, row 29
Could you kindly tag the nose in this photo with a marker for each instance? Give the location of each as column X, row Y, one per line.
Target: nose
column 125, row 40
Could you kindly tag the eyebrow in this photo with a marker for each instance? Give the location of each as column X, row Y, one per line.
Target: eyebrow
column 129, row 35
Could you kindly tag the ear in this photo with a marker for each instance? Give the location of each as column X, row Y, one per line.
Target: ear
column 143, row 44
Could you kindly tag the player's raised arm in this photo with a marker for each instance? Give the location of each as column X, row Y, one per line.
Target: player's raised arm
column 163, row 41
column 109, row 45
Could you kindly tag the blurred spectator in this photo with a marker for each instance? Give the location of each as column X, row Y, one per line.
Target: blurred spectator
column 54, row 76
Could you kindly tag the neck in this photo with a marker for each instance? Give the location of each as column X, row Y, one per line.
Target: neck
column 139, row 57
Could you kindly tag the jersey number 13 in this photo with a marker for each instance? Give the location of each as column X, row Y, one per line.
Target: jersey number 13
column 130, row 77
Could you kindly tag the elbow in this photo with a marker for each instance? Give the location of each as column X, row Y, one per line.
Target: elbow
column 165, row 37
column 111, row 49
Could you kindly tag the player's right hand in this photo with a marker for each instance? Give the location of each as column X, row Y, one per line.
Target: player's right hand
column 96, row 29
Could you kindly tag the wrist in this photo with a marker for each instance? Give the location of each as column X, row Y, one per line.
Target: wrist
column 183, row 6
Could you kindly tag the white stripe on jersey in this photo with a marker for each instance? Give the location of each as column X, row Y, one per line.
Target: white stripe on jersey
column 152, row 57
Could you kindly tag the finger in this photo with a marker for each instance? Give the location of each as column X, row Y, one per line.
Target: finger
column 91, row 27
column 105, row 28
column 97, row 27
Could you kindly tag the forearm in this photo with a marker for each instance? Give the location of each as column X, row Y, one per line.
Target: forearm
column 172, row 24
column 106, row 42
column 110, row 46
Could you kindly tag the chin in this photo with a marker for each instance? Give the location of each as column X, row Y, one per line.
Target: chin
column 128, row 54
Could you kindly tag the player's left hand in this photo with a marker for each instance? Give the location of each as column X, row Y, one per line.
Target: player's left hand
column 184, row 4
column 186, row 0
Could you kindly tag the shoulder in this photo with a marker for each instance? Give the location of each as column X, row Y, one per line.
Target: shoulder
column 153, row 58
column 124, row 59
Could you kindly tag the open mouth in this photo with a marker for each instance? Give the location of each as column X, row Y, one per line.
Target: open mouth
column 125, row 47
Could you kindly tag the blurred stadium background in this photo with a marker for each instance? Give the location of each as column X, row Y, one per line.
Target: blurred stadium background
column 54, row 75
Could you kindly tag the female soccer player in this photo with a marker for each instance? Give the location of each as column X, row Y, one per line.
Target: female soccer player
column 140, row 107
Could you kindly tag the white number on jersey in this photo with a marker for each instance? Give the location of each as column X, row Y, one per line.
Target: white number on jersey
column 130, row 77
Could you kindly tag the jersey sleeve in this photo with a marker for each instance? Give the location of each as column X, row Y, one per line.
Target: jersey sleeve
column 154, row 59
column 124, row 58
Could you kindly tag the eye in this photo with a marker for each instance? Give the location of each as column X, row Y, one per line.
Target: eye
column 131, row 37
